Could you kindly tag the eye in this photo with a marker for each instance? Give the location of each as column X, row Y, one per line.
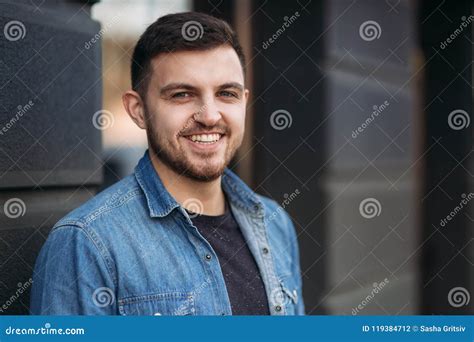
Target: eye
column 181, row 95
column 225, row 93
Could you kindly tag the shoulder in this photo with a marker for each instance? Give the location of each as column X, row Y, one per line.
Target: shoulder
column 92, row 228
column 106, row 204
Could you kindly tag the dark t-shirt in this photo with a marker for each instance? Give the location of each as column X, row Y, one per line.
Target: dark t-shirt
column 242, row 278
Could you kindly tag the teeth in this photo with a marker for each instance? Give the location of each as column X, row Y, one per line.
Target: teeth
column 205, row 138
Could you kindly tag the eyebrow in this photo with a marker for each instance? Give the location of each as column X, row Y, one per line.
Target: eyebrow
column 173, row 86
column 235, row 85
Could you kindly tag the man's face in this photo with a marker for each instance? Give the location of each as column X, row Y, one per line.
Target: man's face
column 195, row 110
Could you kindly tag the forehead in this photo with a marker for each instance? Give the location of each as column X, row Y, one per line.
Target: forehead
column 214, row 66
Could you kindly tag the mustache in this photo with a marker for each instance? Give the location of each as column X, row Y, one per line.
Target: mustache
column 202, row 129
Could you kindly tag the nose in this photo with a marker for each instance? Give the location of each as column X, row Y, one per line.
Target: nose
column 208, row 114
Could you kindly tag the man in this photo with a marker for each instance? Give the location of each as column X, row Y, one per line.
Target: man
column 183, row 235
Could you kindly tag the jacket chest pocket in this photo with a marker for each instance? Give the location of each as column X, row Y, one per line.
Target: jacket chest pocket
column 166, row 304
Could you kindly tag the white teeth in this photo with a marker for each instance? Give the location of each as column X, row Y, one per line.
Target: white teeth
column 205, row 138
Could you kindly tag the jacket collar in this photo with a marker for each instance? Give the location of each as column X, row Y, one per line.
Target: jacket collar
column 161, row 203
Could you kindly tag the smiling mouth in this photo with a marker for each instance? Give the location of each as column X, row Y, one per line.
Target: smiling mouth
column 205, row 139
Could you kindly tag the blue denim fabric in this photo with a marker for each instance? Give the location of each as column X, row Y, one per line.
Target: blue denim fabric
column 133, row 250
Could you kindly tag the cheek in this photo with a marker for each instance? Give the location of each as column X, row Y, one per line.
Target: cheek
column 170, row 120
column 235, row 119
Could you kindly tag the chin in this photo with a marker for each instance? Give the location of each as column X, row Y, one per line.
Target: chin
column 206, row 172
column 204, row 169
column 201, row 176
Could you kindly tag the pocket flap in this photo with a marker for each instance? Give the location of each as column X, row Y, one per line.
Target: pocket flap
column 161, row 304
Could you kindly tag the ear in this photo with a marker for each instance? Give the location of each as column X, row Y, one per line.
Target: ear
column 246, row 95
column 134, row 106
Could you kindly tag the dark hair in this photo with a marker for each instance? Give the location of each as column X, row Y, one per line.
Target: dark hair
column 180, row 32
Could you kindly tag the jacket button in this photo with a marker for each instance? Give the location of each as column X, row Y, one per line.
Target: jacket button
column 278, row 308
column 265, row 250
column 208, row 257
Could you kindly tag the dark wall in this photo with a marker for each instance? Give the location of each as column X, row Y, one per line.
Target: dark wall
column 448, row 261
column 314, row 85
column 50, row 81
column 289, row 101
column 371, row 208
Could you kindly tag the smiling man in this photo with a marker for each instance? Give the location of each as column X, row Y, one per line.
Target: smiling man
column 183, row 235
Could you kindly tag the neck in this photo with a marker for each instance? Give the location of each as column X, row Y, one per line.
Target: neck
column 183, row 189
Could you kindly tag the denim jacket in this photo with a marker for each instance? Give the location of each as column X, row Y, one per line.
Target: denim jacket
column 133, row 250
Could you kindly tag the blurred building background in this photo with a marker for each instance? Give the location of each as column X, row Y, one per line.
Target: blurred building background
column 358, row 124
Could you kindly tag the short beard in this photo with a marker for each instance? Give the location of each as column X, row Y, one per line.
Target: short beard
column 178, row 162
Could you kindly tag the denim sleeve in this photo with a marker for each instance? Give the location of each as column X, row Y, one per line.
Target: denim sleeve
column 71, row 276
column 300, row 309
